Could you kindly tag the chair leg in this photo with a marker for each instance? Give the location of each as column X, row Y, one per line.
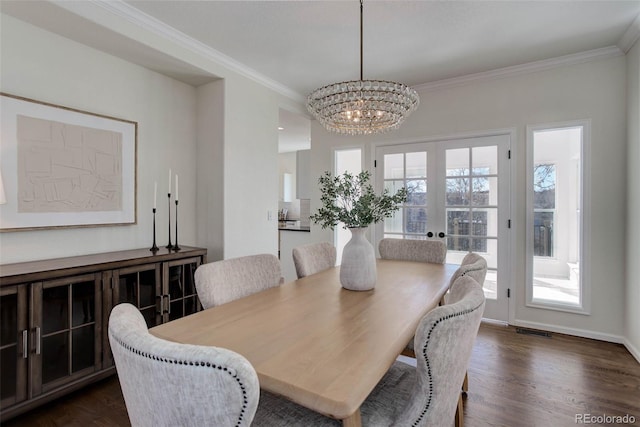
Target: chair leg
column 465, row 383
column 459, row 419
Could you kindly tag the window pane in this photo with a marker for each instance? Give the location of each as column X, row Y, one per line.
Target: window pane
column 485, row 222
column 417, row 192
column 457, row 162
column 485, row 160
column 555, row 202
column 543, row 234
column 393, row 166
column 394, row 224
column 457, row 191
column 393, row 186
column 544, row 186
column 457, row 222
column 416, row 220
column 417, row 165
column 485, row 191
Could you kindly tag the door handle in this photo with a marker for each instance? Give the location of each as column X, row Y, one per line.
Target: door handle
column 25, row 344
column 37, row 339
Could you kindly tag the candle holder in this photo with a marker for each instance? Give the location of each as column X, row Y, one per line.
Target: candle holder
column 176, row 247
column 169, row 246
column 154, row 248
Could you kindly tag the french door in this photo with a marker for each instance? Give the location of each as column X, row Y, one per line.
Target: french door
column 458, row 193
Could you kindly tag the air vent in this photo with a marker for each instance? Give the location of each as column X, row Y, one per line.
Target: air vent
column 526, row 331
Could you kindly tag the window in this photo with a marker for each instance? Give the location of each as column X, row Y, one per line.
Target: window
column 555, row 217
column 544, row 204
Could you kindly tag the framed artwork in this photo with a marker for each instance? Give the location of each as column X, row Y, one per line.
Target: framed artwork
column 62, row 167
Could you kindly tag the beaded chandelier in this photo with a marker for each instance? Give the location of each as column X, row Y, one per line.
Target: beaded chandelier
column 362, row 107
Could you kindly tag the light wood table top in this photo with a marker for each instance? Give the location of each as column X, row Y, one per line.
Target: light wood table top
column 316, row 343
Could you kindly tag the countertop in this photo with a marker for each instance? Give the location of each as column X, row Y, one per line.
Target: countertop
column 292, row 226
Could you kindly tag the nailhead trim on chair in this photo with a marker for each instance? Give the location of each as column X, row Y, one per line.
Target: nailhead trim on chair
column 197, row 363
column 426, row 358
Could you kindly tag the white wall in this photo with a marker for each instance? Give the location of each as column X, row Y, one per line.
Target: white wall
column 250, row 168
column 221, row 138
column 632, row 297
column 594, row 90
column 210, row 168
column 43, row 66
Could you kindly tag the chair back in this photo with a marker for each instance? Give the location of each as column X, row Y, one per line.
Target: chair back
column 413, row 250
column 313, row 258
column 443, row 343
column 224, row 281
column 472, row 265
column 170, row 384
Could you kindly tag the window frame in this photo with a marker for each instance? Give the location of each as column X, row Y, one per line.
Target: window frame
column 584, row 304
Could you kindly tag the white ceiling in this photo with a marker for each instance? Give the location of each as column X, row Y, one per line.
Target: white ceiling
column 302, row 45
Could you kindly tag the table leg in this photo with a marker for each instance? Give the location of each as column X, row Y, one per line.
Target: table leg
column 353, row 421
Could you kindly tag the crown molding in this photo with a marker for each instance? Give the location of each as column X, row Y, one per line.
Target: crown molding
column 531, row 67
column 140, row 19
column 631, row 36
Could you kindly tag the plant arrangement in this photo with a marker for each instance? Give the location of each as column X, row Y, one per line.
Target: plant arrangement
column 350, row 199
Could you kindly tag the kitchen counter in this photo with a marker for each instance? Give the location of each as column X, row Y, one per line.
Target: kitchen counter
column 292, row 226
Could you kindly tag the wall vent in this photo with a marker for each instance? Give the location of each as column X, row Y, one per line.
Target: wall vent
column 527, row 331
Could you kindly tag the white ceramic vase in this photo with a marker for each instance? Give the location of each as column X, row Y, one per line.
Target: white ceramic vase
column 358, row 266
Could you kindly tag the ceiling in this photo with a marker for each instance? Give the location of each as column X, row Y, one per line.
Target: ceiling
column 302, row 45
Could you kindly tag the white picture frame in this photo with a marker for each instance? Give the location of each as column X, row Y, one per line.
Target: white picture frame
column 63, row 167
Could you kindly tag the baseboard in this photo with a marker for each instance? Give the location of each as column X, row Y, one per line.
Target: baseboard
column 632, row 349
column 572, row 331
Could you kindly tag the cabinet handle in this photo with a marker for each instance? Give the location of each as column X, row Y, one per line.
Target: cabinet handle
column 25, row 344
column 37, row 339
column 168, row 303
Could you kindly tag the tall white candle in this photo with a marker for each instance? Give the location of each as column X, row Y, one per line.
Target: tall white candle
column 169, row 181
column 155, row 194
column 176, row 187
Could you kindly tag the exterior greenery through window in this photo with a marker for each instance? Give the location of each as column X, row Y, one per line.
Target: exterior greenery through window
column 544, row 206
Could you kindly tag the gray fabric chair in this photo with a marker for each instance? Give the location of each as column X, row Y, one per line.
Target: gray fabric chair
column 224, row 281
column 472, row 265
column 413, row 250
column 313, row 258
column 427, row 395
column 170, row 384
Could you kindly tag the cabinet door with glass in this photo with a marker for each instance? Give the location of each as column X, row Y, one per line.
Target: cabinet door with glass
column 14, row 345
column 180, row 297
column 66, row 319
column 142, row 287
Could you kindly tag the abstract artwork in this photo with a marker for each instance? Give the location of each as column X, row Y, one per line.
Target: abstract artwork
column 64, row 167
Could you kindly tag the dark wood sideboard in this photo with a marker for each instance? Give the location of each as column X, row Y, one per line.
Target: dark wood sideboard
column 54, row 316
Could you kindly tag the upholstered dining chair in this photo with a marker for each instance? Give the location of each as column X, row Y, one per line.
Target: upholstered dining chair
column 475, row 266
column 224, row 281
column 413, row 250
column 313, row 258
column 472, row 265
column 425, row 395
column 170, row 384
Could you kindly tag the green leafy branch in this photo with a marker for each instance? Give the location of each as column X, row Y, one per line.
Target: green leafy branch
column 350, row 199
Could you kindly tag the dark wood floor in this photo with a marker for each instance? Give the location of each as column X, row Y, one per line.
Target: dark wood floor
column 514, row 380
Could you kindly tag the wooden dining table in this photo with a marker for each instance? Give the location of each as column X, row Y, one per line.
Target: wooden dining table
column 315, row 343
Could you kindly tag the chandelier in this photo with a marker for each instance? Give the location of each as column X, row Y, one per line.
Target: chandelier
column 362, row 107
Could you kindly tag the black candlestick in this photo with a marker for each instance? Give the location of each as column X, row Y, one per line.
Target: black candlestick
column 154, row 248
column 169, row 246
column 176, row 247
